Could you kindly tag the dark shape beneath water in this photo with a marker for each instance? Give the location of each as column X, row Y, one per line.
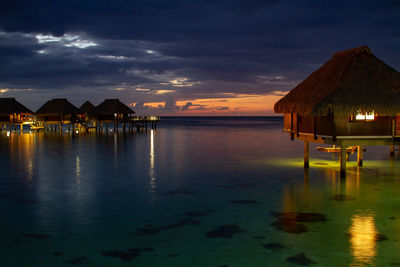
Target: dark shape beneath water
column 37, row 236
column 57, row 253
column 194, row 213
column 154, row 230
column 289, row 221
column 341, row 197
column 290, row 226
column 182, row 191
column 77, row 260
column 259, row 237
column 245, row 201
column 173, row 255
column 274, row 246
column 224, row 231
column 125, row 255
column 380, row 237
column 300, row 259
column 299, row 216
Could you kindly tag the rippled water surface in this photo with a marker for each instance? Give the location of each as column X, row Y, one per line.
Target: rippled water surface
column 194, row 192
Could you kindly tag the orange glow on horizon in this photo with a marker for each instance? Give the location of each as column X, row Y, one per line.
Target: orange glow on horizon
column 240, row 104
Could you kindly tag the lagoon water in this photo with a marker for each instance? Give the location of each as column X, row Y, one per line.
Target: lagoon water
column 195, row 192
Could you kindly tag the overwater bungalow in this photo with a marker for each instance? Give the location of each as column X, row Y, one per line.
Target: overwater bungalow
column 112, row 111
column 352, row 100
column 13, row 113
column 85, row 111
column 56, row 112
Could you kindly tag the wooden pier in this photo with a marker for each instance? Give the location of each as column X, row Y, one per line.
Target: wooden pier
column 140, row 123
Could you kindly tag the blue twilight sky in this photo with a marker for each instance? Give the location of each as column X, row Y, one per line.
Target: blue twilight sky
column 206, row 57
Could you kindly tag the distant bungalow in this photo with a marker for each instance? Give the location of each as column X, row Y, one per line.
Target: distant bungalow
column 112, row 111
column 56, row 112
column 352, row 100
column 13, row 113
column 85, row 111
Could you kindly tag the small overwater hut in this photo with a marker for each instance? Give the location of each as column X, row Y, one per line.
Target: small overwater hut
column 85, row 111
column 56, row 112
column 13, row 113
column 352, row 100
column 112, row 111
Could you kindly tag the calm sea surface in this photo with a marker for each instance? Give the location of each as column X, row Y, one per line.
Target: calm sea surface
column 194, row 192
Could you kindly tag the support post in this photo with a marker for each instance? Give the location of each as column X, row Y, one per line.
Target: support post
column 22, row 128
column 391, row 152
column 360, row 156
column 315, row 128
column 291, row 127
column 306, row 154
column 343, row 153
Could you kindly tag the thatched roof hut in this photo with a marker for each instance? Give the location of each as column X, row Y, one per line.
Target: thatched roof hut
column 352, row 80
column 111, row 107
column 86, row 108
column 57, row 106
column 10, row 106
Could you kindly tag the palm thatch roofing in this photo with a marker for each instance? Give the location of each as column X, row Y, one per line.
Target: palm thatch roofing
column 111, row 107
column 10, row 106
column 86, row 107
column 352, row 80
column 57, row 106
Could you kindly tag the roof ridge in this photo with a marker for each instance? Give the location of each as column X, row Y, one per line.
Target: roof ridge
column 355, row 50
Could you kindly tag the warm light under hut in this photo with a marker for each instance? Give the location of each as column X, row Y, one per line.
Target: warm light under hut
column 351, row 101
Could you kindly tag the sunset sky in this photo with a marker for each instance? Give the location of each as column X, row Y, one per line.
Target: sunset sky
column 182, row 57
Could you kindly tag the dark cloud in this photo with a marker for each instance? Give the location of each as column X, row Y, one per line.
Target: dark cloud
column 186, row 106
column 186, row 49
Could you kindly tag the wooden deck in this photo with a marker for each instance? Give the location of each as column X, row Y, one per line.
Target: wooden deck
column 138, row 122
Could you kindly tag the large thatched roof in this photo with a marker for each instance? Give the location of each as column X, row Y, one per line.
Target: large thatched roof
column 10, row 106
column 57, row 106
column 351, row 80
column 86, row 107
column 112, row 106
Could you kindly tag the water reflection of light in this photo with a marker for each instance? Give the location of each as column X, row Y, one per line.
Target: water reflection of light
column 363, row 236
column 151, row 168
column 78, row 170
column 115, row 150
column 30, row 170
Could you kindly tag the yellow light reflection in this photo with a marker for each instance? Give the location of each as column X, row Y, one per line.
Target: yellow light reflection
column 151, row 168
column 363, row 235
column 78, row 170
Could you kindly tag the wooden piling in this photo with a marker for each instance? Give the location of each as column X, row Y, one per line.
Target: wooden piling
column 306, row 154
column 392, row 152
column 360, row 156
column 343, row 152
